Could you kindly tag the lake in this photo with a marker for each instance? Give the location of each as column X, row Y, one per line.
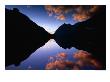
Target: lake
column 52, row 56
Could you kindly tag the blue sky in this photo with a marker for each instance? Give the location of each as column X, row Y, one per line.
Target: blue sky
column 39, row 15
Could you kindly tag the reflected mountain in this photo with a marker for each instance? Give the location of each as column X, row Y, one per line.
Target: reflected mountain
column 53, row 57
column 89, row 35
column 23, row 37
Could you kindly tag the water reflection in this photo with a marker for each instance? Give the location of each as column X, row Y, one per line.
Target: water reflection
column 84, row 60
column 39, row 58
column 51, row 57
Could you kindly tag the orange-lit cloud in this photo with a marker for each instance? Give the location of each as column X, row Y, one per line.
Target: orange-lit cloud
column 60, row 17
column 93, row 8
column 81, row 54
column 62, row 55
column 50, row 66
column 86, row 59
column 79, row 12
column 83, row 13
column 60, row 65
column 83, row 59
column 80, row 18
column 96, row 63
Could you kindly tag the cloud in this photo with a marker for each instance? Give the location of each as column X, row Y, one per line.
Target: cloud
column 62, row 55
column 60, row 65
column 79, row 12
column 50, row 66
column 51, row 58
column 84, row 59
column 58, row 11
column 60, row 17
column 59, row 62
column 81, row 54
column 79, row 17
column 84, row 12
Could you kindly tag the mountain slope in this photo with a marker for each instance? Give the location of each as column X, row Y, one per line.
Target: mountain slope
column 22, row 36
column 89, row 35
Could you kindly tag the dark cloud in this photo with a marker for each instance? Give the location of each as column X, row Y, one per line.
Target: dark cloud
column 79, row 12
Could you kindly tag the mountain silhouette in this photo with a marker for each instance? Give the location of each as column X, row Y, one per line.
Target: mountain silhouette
column 22, row 37
column 89, row 35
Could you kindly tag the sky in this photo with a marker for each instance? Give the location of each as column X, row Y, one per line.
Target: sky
column 51, row 17
column 39, row 15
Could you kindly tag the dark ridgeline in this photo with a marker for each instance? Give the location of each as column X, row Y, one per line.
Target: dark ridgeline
column 22, row 37
column 89, row 35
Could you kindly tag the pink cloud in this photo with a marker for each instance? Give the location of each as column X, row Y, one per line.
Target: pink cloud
column 80, row 12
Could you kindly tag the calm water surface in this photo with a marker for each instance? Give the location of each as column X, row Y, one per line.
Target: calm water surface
column 40, row 57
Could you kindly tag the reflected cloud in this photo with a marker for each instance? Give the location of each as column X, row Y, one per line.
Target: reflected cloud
column 62, row 55
column 50, row 65
column 83, row 60
column 86, row 59
column 80, row 54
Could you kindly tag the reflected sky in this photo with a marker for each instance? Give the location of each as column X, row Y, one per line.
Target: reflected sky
column 40, row 57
